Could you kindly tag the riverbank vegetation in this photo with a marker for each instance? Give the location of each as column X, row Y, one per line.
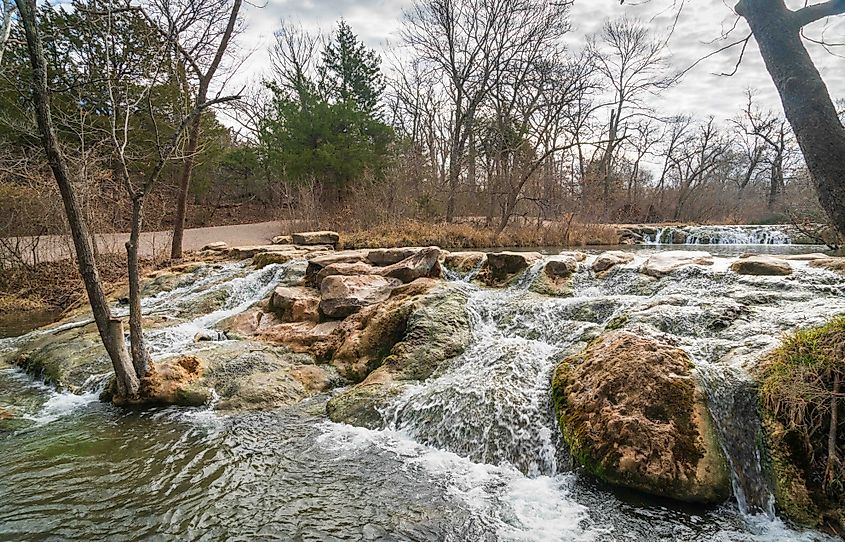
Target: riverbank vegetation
column 802, row 398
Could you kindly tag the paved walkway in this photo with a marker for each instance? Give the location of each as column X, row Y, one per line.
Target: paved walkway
column 57, row 247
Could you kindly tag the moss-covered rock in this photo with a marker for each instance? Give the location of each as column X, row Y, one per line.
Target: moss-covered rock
column 633, row 414
column 798, row 393
column 424, row 332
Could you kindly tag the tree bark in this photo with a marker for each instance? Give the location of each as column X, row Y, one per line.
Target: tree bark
column 140, row 356
column 193, row 139
column 806, row 100
column 110, row 331
column 185, row 188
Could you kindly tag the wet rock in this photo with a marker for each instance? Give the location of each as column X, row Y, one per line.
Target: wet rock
column 210, row 336
column 295, row 304
column 425, row 332
column 634, row 414
column 320, row 340
column 345, row 295
column 247, row 376
column 383, row 257
column 248, row 251
column 761, row 265
column 663, row 263
column 316, row 238
column 554, row 280
column 578, row 255
column 219, row 246
column 607, row 260
column 282, row 240
column 500, row 267
column 64, row 359
column 425, row 263
column 263, row 259
column 464, row 262
column 831, row 264
column 170, row 382
column 318, row 263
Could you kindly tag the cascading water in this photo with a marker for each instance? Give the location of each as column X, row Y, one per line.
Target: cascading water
column 719, row 235
column 473, row 453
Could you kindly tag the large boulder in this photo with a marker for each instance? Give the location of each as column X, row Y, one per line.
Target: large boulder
column 345, row 295
column 263, row 259
column 425, row 263
column 664, row 263
column 761, row 265
column 316, row 238
column 410, row 339
column 634, row 414
column 836, row 265
column 295, row 304
column 501, row 267
column 388, row 256
column 610, row 259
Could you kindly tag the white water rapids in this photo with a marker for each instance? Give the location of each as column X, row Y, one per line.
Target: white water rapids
column 473, row 453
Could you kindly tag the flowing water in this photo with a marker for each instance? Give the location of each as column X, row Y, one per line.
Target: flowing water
column 721, row 235
column 472, row 454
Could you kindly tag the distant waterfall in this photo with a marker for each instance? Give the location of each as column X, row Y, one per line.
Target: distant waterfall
column 718, row 235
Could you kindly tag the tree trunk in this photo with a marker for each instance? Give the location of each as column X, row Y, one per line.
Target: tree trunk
column 185, row 188
column 110, row 332
column 140, row 356
column 806, row 100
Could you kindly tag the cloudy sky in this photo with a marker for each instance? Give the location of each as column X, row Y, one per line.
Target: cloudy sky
column 701, row 92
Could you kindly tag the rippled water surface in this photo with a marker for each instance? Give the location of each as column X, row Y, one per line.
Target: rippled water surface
column 473, row 454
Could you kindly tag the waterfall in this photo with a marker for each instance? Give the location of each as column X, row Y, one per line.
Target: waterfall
column 719, row 235
column 732, row 399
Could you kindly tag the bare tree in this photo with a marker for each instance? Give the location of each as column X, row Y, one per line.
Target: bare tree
column 110, row 329
column 133, row 67
column 633, row 64
column 196, row 31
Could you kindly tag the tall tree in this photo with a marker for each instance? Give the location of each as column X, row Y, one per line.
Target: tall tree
column 7, row 9
column 200, row 42
column 806, row 100
column 352, row 72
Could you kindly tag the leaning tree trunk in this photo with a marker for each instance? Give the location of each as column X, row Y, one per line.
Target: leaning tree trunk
column 110, row 329
column 806, row 100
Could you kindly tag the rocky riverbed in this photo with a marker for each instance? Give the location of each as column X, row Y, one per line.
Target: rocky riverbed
column 623, row 369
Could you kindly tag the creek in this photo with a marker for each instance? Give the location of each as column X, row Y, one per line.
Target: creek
column 471, row 454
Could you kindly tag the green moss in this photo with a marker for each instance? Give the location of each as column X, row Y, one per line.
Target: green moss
column 795, row 396
column 617, row 322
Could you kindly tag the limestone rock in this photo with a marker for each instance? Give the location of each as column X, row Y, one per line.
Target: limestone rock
column 761, row 265
column 663, row 263
column 345, row 295
column 295, row 304
column 219, row 246
column 561, row 266
column 464, row 262
column 407, row 342
column 317, row 263
column 282, row 240
column 500, row 267
column 607, row 260
column 264, row 259
column 316, row 238
column 831, row 264
column 345, row 269
column 555, row 278
column 425, row 263
column 388, row 256
column 633, row 413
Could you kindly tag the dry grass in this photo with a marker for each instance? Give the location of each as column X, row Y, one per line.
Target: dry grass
column 58, row 285
column 469, row 236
